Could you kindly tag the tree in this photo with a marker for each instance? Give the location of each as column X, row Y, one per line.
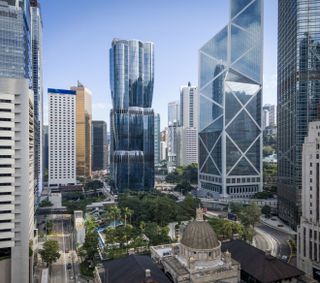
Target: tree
column 266, row 210
column 267, row 150
column 235, row 207
column 46, row 203
column 250, row 215
column 50, row 252
column 126, row 212
column 115, row 213
column 91, row 239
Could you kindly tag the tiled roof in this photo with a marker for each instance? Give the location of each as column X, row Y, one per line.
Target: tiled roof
column 255, row 262
column 132, row 269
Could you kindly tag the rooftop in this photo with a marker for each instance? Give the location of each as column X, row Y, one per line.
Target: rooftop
column 199, row 234
column 133, row 269
column 264, row 268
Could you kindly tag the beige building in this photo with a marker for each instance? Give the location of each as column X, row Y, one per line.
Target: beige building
column 83, row 130
column 308, row 240
column 198, row 257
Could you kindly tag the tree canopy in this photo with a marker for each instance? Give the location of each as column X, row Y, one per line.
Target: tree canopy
column 50, row 252
column 158, row 208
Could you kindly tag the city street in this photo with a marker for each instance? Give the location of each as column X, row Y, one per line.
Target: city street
column 62, row 232
column 269, row 238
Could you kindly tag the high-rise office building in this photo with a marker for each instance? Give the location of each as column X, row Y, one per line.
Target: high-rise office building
column 99, row 145
column 230, row 86
column 298, row 96
column 62, row 137
column 36, row 48
column 163, row 150
column 16, row 179
column 45, row 152
column 84, row 131
column 307, row 241
column 15, row 27
column 268, row 115
column 187, row 133
column 17, row 143
column 189, row 106
column 156, row 139
column 132, row 118
column 164, row 144
column 173, row 112
column 172, row 146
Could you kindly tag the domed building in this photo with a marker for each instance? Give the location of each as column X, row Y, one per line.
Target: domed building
column 197, row 258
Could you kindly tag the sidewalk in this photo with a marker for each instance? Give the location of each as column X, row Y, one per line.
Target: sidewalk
column 275, row 223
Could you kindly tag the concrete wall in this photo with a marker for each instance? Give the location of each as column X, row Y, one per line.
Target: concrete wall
column 5, row 270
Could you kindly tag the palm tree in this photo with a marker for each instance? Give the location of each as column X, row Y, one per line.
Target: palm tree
column 125, row 212
column 114, row 211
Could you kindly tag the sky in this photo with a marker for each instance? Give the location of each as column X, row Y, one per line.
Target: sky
column 77, row 35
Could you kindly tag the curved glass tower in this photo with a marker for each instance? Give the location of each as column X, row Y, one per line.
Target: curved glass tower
column 132, row 119
column 230, row 83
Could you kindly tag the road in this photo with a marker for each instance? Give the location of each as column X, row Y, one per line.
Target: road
column 62, row 232
column 269, row 238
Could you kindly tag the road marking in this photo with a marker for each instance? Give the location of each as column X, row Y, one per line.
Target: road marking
column 64, row 255
column 272, row 242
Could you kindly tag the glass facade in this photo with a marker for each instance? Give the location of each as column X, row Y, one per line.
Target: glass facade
column 15, row 42
column 99, row 142
column 298, row 96
column 37, row 87
column 132, row 119
column 83, row 130
column 156, row 139
column 230, row 82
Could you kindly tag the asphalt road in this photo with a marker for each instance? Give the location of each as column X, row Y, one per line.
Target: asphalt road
column 269, row 238
column 61, row 232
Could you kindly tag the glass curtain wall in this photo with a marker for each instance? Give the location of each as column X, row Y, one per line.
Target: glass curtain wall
column 230, row 82
column 132, row 118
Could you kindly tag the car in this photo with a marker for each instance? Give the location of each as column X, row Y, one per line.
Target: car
column 69, row 265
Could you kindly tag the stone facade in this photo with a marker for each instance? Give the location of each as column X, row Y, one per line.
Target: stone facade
column 198, row 257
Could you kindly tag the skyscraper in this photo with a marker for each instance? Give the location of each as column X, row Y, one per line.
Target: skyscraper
column 132, row 118
column 17, row 177
column 15, row 27
column 230, row 85
column 156, row 139
column 173, row 112
column 17, row 143
column 298, row 96
column 187, row 133
column 308, row 253
column 269, row 115
column 84, row 131
column 62, row 137
column 45, row 152
column 36, row 48
column 189, row 106
column 99, row 142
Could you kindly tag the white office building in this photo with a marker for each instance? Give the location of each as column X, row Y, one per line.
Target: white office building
column 308, row 241
column 16, row 179
column 187, row 133
column 173, row 112
column 62, row 137
column 269, row 116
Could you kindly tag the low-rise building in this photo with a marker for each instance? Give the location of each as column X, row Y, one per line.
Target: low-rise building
column 198, row 257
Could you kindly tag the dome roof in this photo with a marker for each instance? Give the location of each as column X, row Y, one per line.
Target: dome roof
column 199, row 235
